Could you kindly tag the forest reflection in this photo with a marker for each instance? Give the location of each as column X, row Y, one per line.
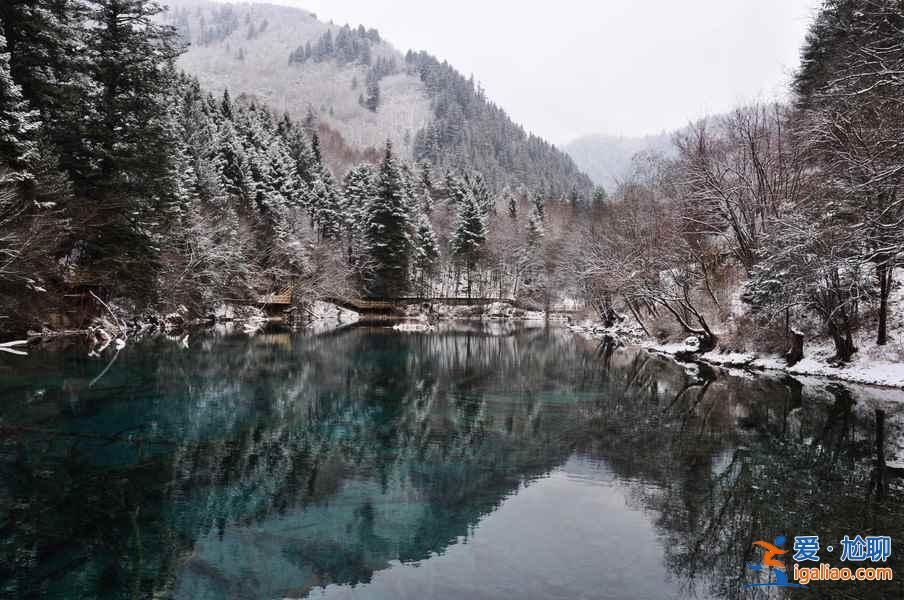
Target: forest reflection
column 275, row 465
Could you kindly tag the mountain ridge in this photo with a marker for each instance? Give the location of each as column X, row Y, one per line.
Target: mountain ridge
column 607, row 158
column 359, row 86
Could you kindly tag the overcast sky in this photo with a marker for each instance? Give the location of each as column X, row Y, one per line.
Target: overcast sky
column 566, row 68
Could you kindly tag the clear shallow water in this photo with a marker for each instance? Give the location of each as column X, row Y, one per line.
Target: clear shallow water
column 368, row 463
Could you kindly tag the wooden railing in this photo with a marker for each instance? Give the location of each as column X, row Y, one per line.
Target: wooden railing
column 283, row 298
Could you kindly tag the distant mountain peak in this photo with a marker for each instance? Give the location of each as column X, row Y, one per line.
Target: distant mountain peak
column 607, row 158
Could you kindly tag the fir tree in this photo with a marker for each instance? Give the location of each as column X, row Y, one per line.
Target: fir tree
column 236, row 168
column 226, row 105
column 470, row 233
column 359, row 192
column 389, row 230
column 511, row 205
column 478, row 185
column 539, row 207
column 456, row 189
column 128, row 136
column 47, row 39
column 426, row 252
column 574, row 197
column 535, row 230
column 599, row 195
column 315, row 150
column 330, row 207
column 372, row 97
column 18, row 123
column 306, row 163
column 425, row 180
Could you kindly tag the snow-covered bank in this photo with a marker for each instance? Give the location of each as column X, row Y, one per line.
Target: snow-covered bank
column 325, row 316
column 868, row 367
column 494, row 310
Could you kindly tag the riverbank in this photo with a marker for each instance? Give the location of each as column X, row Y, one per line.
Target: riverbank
column 869, row 366
column 117, row 327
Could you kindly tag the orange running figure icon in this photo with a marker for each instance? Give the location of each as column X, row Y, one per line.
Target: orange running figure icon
column 769, row 560
column 772, row 551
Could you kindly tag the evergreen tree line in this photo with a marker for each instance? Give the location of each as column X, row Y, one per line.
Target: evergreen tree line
column 469, row 130
column 123, row 178
column 348, row 46
column 219, row 24
column 351, row 46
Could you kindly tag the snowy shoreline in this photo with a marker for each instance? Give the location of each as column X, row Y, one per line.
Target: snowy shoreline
column 862, row 369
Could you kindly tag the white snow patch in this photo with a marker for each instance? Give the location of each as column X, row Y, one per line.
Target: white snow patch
column 412, row 326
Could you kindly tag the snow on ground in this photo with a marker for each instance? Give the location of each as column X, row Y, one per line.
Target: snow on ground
column 326, row 316
column 494, row 310
column 414, row 326
column 872, row 365
column 624, row 330
column 326, row 311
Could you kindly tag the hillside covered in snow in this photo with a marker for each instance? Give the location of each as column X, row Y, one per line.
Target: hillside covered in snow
column 361, row 91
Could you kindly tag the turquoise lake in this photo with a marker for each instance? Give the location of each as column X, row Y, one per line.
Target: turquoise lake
column 472, row 462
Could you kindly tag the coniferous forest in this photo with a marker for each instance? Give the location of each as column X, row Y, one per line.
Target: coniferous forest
column 124, row 177
column 286, row 312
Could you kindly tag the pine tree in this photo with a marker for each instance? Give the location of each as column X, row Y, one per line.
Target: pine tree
column 539, row 207
column 372, row 97
column 306, row 163
column 478, row 184
column 426, row 252
column 46, row 40
column 18, row 124
column 535, row 230
column 389, row 230
column 425, row 180
column 574, row 197
column 128, row 137
column 198, row 117
column 599, row 195
column 226, row 106
column 184, row 195
column 470, row 233
column 359, row 192
column 456, row 190
column 236, row 167
column 511, row 204
column 330, row 208
column 315, row 150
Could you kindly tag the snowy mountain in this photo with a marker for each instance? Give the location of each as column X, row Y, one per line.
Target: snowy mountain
column 607, row 158
column 362, row 91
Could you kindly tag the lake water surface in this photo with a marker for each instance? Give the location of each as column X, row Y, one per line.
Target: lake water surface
column 469, row 463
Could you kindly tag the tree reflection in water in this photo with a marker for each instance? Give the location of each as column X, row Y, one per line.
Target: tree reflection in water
column 274, row 465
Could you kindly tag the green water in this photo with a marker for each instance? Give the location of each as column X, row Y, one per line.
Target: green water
column 469, row 463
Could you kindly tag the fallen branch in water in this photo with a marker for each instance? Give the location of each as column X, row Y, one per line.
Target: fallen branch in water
column 8, row 347
column 117, row 321
column 107, row 368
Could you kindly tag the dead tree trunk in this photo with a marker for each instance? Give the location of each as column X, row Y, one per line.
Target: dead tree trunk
column 884, row 272
column 796, row 350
